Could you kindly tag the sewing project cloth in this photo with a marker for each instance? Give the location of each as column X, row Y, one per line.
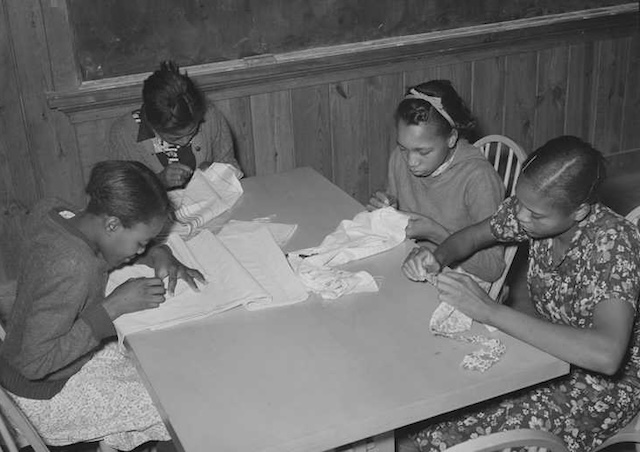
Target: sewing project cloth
column 258, row 280
column 448, row 322
column 369, row 233
column 208, row 194
column 281, row 233
column 331, row 283
column 259, row 254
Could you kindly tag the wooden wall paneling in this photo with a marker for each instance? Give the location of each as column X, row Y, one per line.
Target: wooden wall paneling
column 382, row 95
column 238, row 114
column 18, row 186
column 312, row 128
column 520, row 98
column 488, row 94
column 613, row 56
column 631, row 113
column 59, row 40
column 272, row 132
column 417, row 76
column 551, row 94
column 579, row 90
column 92, row 138
column 460, row 75
column 18, row 182
column 349, row 131
column 57, row 163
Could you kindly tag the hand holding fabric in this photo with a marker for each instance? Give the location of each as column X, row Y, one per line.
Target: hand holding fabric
column 463, row 293
column 420, row 264
column 134, row 295
column 175, row 175
column 382, row 199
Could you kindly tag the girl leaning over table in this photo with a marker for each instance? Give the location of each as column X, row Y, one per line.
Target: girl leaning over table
column 175, row 131
column 59, row 359
column 437, row 176
column 583, row 278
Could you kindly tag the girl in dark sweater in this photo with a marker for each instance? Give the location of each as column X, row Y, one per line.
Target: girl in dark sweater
column 58, row 359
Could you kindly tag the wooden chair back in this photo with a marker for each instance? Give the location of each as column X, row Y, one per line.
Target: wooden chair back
column 512, row 440
column 507, row 157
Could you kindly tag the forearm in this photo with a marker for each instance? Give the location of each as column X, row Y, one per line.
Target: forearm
column 585, row 347
column 487, row 264
column 460, row 245
column 436, row 233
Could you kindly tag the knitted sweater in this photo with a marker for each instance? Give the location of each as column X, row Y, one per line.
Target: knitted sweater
column 467, row 192
column 212, row 143
column 57, row 319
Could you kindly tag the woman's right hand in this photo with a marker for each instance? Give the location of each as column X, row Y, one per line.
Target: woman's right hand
column 381, row 199
column 419, row 264
column 175, row 175
column 134, row 295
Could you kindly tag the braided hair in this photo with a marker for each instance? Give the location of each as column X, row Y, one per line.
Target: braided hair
column 567, row 170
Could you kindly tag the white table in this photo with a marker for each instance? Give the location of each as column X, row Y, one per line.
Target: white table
column 319, row 374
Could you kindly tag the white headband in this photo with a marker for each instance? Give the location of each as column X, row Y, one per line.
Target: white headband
column 436, row 102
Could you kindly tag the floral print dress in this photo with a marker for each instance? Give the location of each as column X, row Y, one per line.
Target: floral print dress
column 583, row 408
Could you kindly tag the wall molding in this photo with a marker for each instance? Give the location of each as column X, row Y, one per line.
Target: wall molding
column 269, row 73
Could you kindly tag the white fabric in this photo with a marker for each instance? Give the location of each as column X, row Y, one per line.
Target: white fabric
column 281, row 232
column 331, row 283
column 208, row 194
column 261, row 257
column 257, row 277
column 369, row 233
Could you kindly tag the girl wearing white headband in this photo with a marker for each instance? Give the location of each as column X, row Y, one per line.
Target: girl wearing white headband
column 438, row 176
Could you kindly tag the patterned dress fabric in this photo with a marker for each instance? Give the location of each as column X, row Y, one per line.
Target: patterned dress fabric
column 583, row 408
column 105, row 401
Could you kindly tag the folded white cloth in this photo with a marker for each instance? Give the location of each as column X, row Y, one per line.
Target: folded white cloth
column 208, row 194
column 263, row 259
column 228, row 285
column 247, row 270
column 367, row 234
column 281, row 232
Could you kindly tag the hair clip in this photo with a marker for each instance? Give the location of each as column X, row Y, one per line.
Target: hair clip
column 436, row 102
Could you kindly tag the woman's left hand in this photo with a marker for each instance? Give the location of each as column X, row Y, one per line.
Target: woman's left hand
column 165, row 264
column 464, row 294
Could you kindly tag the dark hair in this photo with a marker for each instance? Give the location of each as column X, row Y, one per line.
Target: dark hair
column 127, row 190
column 419, row 111
column 568, row 170
column 171, row 101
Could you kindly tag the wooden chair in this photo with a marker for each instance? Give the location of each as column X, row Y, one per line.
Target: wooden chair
column 634, row 216
column 7, row 297
column 507, row 157
column 629, row 434
column 512, row 439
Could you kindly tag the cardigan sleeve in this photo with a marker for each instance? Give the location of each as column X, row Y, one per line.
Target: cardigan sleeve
column 59, row 314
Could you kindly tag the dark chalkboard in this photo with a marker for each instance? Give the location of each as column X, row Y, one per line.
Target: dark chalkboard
column 119, row 37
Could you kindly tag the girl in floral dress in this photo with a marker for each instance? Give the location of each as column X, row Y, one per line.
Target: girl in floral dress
column 583, row 278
